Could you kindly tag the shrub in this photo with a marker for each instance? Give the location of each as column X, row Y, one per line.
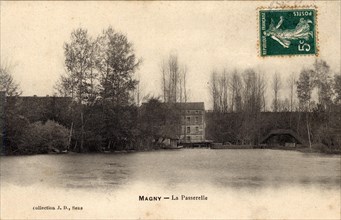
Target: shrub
column 43, row 138
column 15, row 126
column 329, row 138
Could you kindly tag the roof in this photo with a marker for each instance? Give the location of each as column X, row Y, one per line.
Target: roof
column 183, row 105
column 190, row 105
column 283, row 131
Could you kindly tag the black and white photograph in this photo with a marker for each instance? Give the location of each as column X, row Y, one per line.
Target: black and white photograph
column 170, row 109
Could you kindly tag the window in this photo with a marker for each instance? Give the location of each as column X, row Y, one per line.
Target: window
column 188, row 130
column 197, row 111
column 197, row 129
column 196, row 119
column 189, row 138
column 188, row 119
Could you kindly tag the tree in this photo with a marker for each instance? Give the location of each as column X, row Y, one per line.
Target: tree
column 236, row 88
column 79, row 63
column 116, row 64
column 291, row 84
column 323, row 81
column 138, row 91
column 304, row 89
column 174, row 80
column 305, row 86
column 99, row 76
column 7, row 83
column 219, row 87
column 184, row 83
column 223, row 90
column 276, row 86
column 337, row 88
column 254, row 89
column 159, row 121
column 213, row 87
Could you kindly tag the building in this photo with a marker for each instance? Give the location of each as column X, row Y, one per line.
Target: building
column 282, row 137
column 184, row 122
column 192, row 122
column 40, row 108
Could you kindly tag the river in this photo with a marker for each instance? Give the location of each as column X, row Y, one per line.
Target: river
column 239, row 184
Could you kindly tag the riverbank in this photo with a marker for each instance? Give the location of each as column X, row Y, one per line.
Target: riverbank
column 316, row 148
column 94, row 152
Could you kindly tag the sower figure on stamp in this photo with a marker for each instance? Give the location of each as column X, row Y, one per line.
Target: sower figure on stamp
column 284, row 37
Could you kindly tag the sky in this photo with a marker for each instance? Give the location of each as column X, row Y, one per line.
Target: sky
column 206, row 36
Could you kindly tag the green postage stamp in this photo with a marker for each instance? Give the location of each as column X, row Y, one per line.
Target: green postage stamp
column 287, row 32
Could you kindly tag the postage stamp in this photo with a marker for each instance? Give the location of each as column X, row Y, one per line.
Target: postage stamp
column 287, row 32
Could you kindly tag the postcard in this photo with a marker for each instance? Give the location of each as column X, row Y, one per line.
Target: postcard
column 170, row 110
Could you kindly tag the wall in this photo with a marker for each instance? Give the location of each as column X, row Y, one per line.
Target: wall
column 40, row 108
column 192, row 126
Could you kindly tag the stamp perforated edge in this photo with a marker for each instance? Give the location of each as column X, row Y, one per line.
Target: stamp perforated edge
column 317, row 41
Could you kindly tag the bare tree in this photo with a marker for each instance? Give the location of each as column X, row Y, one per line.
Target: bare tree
column 236, row 87
column 291, row 84
column 7, row 83
column 213, row 87
column 223, row 82
column 276, row 86
column 254, row 89
column 174, row 76
column 164, row 81
column 184, row 76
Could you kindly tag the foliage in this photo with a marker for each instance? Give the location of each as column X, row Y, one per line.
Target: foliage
column 15, row 126
column 116, row 63
column 158, row 121
column 304, row 88
column 79, row 63
column 337, row 88
column 321, row 118
column 44, row 137
column 99, row 77
column 323, row 82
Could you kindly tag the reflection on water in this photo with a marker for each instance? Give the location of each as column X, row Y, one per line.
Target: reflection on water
column 223, row 168
column 251, row 184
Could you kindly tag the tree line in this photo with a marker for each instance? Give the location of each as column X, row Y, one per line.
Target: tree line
column 105, row 113
column 237, row 90
column 243, row 94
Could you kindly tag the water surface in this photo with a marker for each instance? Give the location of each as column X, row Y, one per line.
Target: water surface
column 258, row 183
